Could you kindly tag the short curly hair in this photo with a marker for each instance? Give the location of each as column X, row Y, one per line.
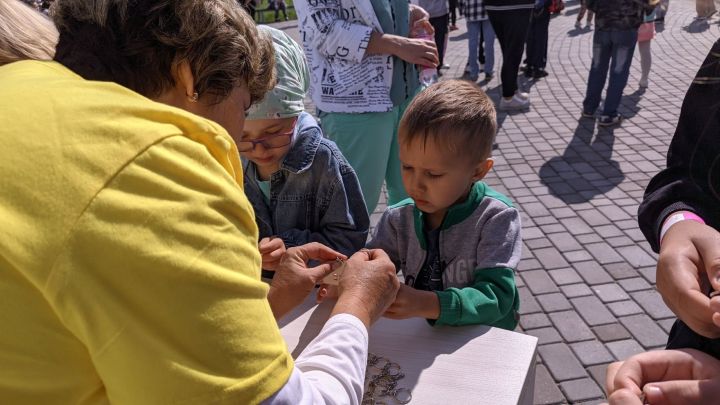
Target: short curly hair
column 456, row 114
column 137, row 43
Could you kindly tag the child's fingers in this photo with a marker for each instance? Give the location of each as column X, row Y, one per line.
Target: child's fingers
column 272, row 246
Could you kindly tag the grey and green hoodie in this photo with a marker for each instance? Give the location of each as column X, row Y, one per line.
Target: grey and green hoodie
column 480, row 248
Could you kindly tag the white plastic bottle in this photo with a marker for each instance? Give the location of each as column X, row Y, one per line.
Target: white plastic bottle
column 428, row 74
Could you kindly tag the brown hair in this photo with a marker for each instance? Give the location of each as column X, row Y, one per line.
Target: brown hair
column 137, row 43
column 25, row 33
column 454, row 113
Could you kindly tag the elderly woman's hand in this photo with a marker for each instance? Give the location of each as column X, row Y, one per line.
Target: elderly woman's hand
column 294, row 280
column 664, row 377
column 368, row 286
column 689, row 259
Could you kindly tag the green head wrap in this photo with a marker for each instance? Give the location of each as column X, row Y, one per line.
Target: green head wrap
column 286, row 99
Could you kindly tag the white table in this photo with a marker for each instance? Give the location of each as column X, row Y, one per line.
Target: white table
column 442, row 365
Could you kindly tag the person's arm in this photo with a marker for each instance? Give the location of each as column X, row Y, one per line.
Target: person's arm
column 337, row 38
column 688, row 247
column 492, row 298
column 686, row 183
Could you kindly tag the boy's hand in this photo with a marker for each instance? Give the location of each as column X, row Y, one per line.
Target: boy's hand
column 327, row 292
column 272, row 250
column 410, row 303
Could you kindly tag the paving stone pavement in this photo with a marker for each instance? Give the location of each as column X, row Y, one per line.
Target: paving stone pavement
column 587, row 276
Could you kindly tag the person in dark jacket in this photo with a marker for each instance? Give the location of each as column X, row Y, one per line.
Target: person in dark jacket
column 616, row 26
column 680, row 214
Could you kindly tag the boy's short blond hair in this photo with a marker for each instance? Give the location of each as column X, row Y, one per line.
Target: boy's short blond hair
column 454, row 113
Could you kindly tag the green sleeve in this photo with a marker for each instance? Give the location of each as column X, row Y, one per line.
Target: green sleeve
column 492, row 299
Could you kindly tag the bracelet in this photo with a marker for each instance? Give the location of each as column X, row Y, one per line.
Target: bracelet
column 676, row 217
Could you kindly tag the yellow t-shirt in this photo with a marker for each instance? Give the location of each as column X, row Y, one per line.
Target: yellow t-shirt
column 128, row 264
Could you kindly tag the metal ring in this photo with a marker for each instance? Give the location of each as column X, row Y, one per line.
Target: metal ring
column 380, row 360
column 390, row 367
column 402, row 399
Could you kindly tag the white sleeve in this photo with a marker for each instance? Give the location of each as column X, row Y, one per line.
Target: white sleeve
column 331, row 369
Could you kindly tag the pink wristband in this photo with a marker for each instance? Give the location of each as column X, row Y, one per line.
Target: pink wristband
column 676, row 217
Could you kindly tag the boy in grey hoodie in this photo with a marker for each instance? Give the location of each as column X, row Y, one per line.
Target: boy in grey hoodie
column 456, row 240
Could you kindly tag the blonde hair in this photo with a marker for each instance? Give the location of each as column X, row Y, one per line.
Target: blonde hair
column 25, row 33
column 456, row 114
column 137, row 44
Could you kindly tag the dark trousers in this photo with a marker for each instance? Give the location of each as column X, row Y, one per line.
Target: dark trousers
column 511, row 29
column 440, row 24
column 537, row 42
column 682, row 337
column 453, row 14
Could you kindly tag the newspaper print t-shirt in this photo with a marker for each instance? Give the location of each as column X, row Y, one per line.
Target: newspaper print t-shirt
column 336, row 34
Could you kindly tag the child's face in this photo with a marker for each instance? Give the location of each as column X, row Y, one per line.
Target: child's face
column 436, row 178
column 266, row 142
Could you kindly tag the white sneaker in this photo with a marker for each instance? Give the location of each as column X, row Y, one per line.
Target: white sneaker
column 522, row 95
column 515, row 103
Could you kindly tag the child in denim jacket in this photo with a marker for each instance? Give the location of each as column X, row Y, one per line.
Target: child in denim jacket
column 300, row 185
column 456, row 240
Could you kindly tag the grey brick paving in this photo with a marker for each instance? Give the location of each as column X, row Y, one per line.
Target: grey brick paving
column 644, row 330
column 611, row 332
column 571, row 326
column 580, row 390
column 591, row 352
column 561, row 362
column 546, row 390
column 593, row 311
column 622, row 349
column 578, row 187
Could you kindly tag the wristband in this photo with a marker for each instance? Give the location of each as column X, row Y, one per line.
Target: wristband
column 676, row 217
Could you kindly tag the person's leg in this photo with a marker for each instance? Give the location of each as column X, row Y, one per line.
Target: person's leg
column 517, row 23
column 453, row 16
column 532, row 48
column 645, row 62
column 284, row 9
column 393, row 175
column 543, row 32
column 623, row 48
column 473, row 30
column 440, row 25
column 481, row 51
column 365, row 140
column 581, row 13
column 488, row 36
column 590, row 17
column 602, row 48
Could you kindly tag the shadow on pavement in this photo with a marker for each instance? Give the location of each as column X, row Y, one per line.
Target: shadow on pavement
column 697, row 26
column 586, row 168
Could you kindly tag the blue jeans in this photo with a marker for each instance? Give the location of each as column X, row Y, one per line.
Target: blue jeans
column 613, row 50
column 474, row 28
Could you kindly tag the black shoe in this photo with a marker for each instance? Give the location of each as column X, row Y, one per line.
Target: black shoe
column 540, row 73
column 529, row 71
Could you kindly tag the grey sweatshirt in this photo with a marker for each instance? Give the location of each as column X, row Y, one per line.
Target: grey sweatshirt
column 480, row 247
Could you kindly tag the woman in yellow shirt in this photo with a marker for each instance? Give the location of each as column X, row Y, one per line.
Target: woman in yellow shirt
column 129, row 271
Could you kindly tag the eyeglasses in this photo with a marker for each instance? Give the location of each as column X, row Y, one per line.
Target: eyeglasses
column 268, row 142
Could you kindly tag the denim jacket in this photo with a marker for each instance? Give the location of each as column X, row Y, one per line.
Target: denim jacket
column 314, row 197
